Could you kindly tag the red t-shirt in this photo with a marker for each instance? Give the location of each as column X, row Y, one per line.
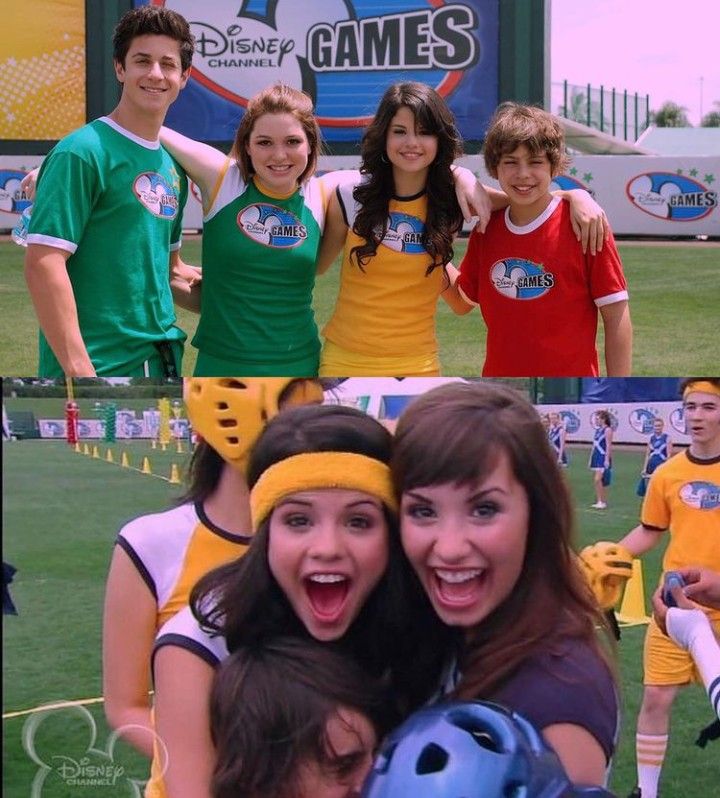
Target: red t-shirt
column 539, row 294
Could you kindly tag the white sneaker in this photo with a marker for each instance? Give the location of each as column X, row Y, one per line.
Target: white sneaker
column 599, row 506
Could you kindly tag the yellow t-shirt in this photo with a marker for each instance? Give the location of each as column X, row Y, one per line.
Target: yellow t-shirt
column 684, row 496
column 388, row 307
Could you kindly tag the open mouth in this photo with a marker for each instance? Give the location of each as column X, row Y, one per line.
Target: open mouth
column 327, row 594
column 458, row 588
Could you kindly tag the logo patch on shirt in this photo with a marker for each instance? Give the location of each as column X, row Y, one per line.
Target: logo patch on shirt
column 271, row 226
column 404, row 234
column 156, row 194
column 518, row 278
column 701, row 495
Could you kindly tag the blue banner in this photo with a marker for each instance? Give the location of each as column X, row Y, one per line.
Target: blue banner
column 343, row 53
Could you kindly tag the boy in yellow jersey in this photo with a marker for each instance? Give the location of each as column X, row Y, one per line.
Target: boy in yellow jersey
column 683, row 498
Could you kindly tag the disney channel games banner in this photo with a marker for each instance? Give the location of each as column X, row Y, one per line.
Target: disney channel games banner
column 343, row 53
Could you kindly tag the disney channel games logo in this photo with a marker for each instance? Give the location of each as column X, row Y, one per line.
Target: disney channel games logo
column 242, row 47
column 673, row 196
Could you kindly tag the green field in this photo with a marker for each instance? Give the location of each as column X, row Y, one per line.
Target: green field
column 61, row 512
column 671, row 293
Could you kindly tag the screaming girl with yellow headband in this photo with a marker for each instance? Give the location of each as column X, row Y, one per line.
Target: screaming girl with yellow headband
column 325, row 563
column 158, row 557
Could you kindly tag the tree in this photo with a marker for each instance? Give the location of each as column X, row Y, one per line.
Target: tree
column 712, row 118
column 670, row 114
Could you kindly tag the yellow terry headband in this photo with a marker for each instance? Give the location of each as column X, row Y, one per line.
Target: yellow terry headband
column 704, row 386
column 318, row 470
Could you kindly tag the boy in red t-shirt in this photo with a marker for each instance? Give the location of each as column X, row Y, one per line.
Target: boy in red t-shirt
column 538, row 293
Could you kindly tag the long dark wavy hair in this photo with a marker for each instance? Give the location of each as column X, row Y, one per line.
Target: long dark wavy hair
column 243, row 602
column 444, row 217
column 551, row 601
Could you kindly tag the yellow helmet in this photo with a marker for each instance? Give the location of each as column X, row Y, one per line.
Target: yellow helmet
column 607, row 566
column 229, row 413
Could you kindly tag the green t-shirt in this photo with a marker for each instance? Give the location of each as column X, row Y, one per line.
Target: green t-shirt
column 114, row 201
column 258, row 255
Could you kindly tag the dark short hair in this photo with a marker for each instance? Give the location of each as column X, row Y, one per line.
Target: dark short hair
column 153, row 21
column 269, row 709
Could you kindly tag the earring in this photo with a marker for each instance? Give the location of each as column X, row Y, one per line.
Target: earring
column 383, row 158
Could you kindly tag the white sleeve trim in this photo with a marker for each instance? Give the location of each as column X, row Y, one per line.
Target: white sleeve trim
column 176, row 246
column 51, row 241
column 611, row 299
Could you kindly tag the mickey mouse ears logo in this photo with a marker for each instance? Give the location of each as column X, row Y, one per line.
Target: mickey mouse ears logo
column 82, row 764
column 677, row 198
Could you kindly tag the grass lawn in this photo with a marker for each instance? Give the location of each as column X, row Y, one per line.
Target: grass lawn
column 61, row 511
column 672, row 290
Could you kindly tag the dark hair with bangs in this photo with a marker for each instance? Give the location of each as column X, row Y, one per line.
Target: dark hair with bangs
column 514, row 124
column 242, row 600
column 153, row 21
column 444, row 218
column 455, row 434
column 269, row 711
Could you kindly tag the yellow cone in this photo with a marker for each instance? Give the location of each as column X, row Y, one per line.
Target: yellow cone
column 174, row 475
column 77, row 448
column 96, row 453
column 146, row 466
column 632, row 609
column 109, row 456
column 86, row 449
column 124, row 462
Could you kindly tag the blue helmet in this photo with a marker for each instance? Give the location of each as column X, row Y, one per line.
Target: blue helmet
column 469, row 750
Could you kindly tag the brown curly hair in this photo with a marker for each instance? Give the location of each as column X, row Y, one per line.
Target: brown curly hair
column 514, row 124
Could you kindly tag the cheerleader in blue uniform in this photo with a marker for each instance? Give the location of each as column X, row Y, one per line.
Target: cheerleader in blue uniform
column 601, row 458
column 556, row 435
column 659, row 449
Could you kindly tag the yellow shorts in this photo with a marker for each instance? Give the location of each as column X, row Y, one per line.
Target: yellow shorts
column 665, row 662
column 338, row 362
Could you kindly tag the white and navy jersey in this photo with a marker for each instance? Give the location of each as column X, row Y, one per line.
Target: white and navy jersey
column 598, row 455
column 658, row 451
column 173, row 549
column 184, row 631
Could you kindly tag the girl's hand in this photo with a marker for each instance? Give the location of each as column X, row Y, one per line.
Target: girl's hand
column 472, row 197
column 589, row 222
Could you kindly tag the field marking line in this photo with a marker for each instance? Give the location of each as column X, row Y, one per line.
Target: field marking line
column 57, row 705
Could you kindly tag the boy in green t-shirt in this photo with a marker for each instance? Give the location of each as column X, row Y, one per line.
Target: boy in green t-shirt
column 106, row 224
